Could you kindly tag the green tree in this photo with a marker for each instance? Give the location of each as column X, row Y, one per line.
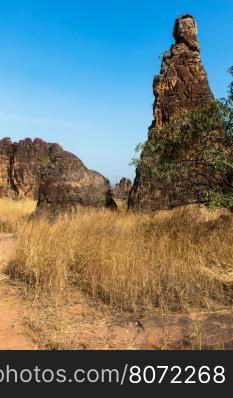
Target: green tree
column 197, row 147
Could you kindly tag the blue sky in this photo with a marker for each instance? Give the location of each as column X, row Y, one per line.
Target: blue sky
column 79, row 72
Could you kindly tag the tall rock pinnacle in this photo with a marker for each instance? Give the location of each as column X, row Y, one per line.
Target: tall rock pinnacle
column 182, row 82
column 181, row 85
column 185, row 31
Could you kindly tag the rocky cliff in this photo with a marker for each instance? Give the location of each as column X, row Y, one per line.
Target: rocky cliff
column 6, row 183
column 122, row 188
column 67, row 183
column 20, row 166
column 181, row 85
column 44, row 171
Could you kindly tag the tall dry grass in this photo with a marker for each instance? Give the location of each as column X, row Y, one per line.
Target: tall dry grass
column 172, row 260
column 14, row 212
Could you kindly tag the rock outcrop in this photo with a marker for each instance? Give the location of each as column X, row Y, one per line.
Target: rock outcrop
column 181, row 85
column 56, row 178
column 182, row 82
column 6, row 183
column 20, row 167
column 67, row 183
column 122, row 189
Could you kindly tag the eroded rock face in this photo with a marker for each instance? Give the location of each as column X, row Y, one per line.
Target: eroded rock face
column 67, row 183
column 182, row 82
column 20, row 165
column 181, row 85
column 122, row 189
column 29, row 158
column 6, row 183
column 44, row 171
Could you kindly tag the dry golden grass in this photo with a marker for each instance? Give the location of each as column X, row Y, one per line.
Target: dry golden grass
column 171, row 260
column 14, row 212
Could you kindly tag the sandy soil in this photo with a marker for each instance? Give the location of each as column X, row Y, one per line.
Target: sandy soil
column 13, row 335
column 79, row 325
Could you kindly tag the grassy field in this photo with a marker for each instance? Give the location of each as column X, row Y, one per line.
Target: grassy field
column 14, row 213
column 170, row 260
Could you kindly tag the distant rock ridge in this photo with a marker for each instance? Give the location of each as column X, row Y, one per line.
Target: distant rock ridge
column 122, row 188
column 45, row 172
column 181, row 85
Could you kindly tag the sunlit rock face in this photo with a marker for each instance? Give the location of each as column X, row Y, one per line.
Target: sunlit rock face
column 122, row 188
column 182, row 82
column 20, row 166
column 181, row 85
column 66, row 183
column 45, row 172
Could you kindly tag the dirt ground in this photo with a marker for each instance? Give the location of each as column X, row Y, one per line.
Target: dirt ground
column 13, row 335
column 79, row 324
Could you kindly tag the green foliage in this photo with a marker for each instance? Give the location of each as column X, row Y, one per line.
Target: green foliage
column 197, row 143
column 43, row 158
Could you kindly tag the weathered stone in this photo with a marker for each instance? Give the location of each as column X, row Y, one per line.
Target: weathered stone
column 29, row 158
column 182, row 82
column 20, row 167
column 196, row 331
column 181, row 85
column 122, row 189
column 67, row 183
column 6, row 183
column 58, row 179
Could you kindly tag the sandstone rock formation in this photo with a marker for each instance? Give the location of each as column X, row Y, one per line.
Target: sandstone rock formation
column 182, row 82
column 122, row 189
column 67, row 183
column 181, row 85
column 20, row 165
column 6, row 182
column 44, row 171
